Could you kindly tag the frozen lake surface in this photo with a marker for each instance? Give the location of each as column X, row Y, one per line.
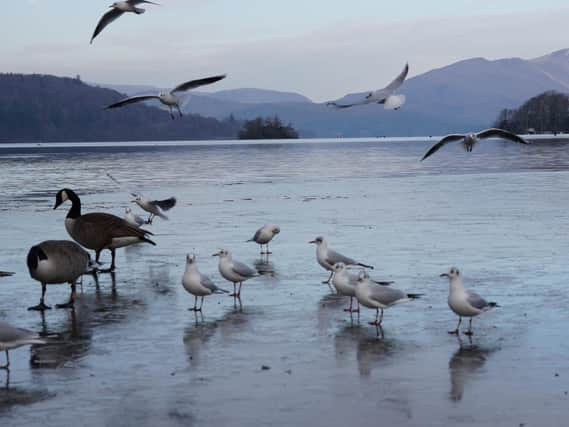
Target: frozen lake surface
column 131, row 354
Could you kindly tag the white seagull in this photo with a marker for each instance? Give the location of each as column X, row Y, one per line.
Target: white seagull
column 132, row 218
column 345, row 284
column 11, row 337
column 471, row 139
column 372, row 295
column 154, row 207
column 327, row 257
column 198, row 284
column 463, row 302
column 117, row 9
column 264, row 235
column 169, row 99
column 234, row 271
column 383, row 96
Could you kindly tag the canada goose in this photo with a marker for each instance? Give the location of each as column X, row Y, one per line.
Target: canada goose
column 98, row 231
column 198, row 284
column 327, row 258
column 264, row 235
column 11, row 337
column 54, row 262
column 234, row 271
column 464, row 302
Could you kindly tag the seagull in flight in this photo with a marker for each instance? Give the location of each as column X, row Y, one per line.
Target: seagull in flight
column 169, row 99
column 383, row 96
column 470, row 140
column 117, row 9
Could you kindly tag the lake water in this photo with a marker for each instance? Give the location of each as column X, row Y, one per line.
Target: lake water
column 132, row 354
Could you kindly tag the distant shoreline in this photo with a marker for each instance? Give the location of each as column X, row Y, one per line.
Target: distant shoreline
column 215, row 142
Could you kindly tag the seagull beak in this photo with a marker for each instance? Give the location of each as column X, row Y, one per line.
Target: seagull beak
column 312, row 241
column 216, row 254
column 444, row 275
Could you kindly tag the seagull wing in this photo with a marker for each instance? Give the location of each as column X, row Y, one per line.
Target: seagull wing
column 395, row 84
column 500, row 133
column 243, row 270
column 385, row 295
column 441, row 143
column 340, row 106
column 135, row 2
column 334, row 257
column 476, row 300
column 192, row 84
column 105, row 20
column 132, row 100
column 166, row 204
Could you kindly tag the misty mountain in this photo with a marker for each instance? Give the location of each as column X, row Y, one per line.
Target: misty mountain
column 466, row 95
column 46, row 108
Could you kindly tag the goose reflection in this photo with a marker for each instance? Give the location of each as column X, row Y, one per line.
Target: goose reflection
column 464, row 365
column 70, row 338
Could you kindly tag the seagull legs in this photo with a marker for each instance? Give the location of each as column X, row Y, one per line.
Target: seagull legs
column 7, row 365
column 350, row 308
column 41, row 306
column 179, row 111
column 327, row 282
column 455, row 332
column 234, row 294
column 171, row 112
column 71, row 302
column 196, row 304
column 469, row 331
column 378, row 318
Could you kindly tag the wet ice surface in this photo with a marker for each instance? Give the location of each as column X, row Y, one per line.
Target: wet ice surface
column 132, row 354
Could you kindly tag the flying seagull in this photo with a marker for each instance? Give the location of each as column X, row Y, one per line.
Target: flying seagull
column 117, row 9
column 154, row 207
column 470, row 140
column 383, row 96
column 170, row 99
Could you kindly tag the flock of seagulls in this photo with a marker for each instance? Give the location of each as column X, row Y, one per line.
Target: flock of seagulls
column 63, row 261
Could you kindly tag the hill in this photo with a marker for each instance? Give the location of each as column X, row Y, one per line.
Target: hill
column 46, row 108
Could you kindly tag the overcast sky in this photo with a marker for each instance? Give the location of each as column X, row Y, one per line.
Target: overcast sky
column 320, row 48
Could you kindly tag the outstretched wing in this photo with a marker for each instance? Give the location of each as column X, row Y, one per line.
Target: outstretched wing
column 395, row 84
column 105, row 20
column 192, row 84
column 441, row 143
column 500, row 133
column 340, row 106
column 165, row 204
column 132, row 100
column 135, row 2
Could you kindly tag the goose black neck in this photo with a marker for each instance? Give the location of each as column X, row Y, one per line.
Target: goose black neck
column 75, row 211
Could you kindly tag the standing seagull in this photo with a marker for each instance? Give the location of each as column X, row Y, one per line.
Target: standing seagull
column 463, row 302
column 57, row 261
column 264, row 235
column 132, row 218
column 198, row 284
column 154, row 207
column 11, row 337
column 372, row 295
column 327, row 257
column 169, row 99
column 117, row 9
column 470, row 140
column 234, row 271
column 383, row 96
column 99, row 231
column 345, row 284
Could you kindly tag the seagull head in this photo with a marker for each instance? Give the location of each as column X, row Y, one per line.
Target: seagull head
column 190, row 259
column 339, row 266
column 275, row 230
column 318, row 241
column 136, row 199
column 453, row 273
column 222, row 253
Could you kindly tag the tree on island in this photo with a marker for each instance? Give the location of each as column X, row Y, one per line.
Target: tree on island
column 267, row 128
column 548, row 112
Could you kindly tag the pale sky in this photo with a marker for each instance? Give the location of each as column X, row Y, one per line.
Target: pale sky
column 320, row 48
